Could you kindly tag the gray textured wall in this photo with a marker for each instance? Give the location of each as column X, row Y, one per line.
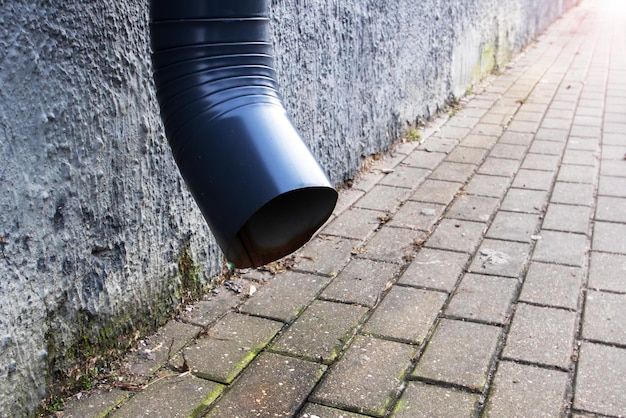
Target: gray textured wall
column 94, row 218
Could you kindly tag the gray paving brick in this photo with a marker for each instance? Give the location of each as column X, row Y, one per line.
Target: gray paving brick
column 600, row 379
column 382, row 198
column 613, row 152
column 577, row 174
column 527, row 116
column 312, row 410
column 467, row 155
column 499, row 167
column 552, row 285
column 501, row 258
column 452, row 132
column 612, row 186
column 556, row 123
column 527, row 201
column 541, row 335
column 456, row 235
column 541, row 162
column 489, row 186
column 426, row 401
column 533, row 179
column 321, row 331
column 513, row 226
column 551, row 134
column 483, row 298
column 488, row 129
column 561, row 248
column 205, row 312
column 463, row 121
column 609, row 237
column 519, row 390
column 496, row 119
column 573, row 193
column 355, row 223
column 175, row 396
column 435, row 269
column 584, row 144
column 612, row 138
column 567, row 218
column 361, row 282
column 417, row 215
column 473, row 208
column 424, row 159
column 285, row 296
column 611, row 209
column 523, row 126
column 95, row 404
column 547, row 147
column 367, row 180
column 613, row 168
column 603, row 317
column 435, row 191
column 325, row 255
column 450, row 171
column 513, row 152
column 438, row 144
column 406, row 314
column 404, row 176
column 347, row 197
column 367, row 377
column 460, row 353
column 479, row 141
column 607, row 272
column 580, row 157
column 393, row 245
column 563, row 113
column 273, row 386
column 229, row 346
column 586, row 131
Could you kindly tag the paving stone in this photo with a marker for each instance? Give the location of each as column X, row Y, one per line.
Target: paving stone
column 473, row 208
column 523, row 126
column 438, row 144
column 500, row 258
column 175, row 396
column 613, row 168
column 426, row 401
column 567, row 218
column 573, row 193
column 434, row 191
column 527, row 201
column 467, row 155
column 584, row 144
column 382, row 198
column 367, row 376
column 536, row 391
column 562, row 113
column 321, row 331
column 366, row 181
column 577, row 174
column 612, row 186
column 417, row 215
column 452, row 132
column 406, row 314
column 435, row 269
column 355, row 223
column 541, row 162
column 603, row 317
column 552, row 285
column 449, row 171
column 479, row 141
column 489, row 186
column 404, row 176
column 534, row 179
column 541, row 335
column 361, row 282
column 393, row 245
column 611, row 209
column 523, row 115
column 613, row 152
column 513, row 226
column 205, row 312
column 229, row 346
column 483, row 298
column 561, row 248
column 499, row 167
column 456, row 235
column 347, row 197
column 600, row 380
column 550, row 134
column 312, row 410
column 612, row 138
column 509, row 151
column 556, row 123
column 285, row 296
column 607, row 272
column 273, row 386
column 154, row 352
column 580, row 157
column 459, row 353
column 462, row 121
column 547, row 147
column 424, row 159
column 94, row 404
column 609, row 237
column 325, row 255
column 488, row 129
column 586, row 131
column 496, row 119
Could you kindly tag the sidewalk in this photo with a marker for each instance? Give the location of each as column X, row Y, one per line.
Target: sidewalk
column 479, row 273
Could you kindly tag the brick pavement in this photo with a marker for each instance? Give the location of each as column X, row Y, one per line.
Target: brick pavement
column 479, row 273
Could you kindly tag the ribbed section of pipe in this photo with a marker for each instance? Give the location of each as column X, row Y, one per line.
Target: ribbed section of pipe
column 261, row 191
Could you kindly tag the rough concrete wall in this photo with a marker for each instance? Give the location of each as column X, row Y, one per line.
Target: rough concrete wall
column 94, row 218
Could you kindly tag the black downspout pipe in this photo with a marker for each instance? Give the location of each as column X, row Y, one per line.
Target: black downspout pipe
column 258, row 186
